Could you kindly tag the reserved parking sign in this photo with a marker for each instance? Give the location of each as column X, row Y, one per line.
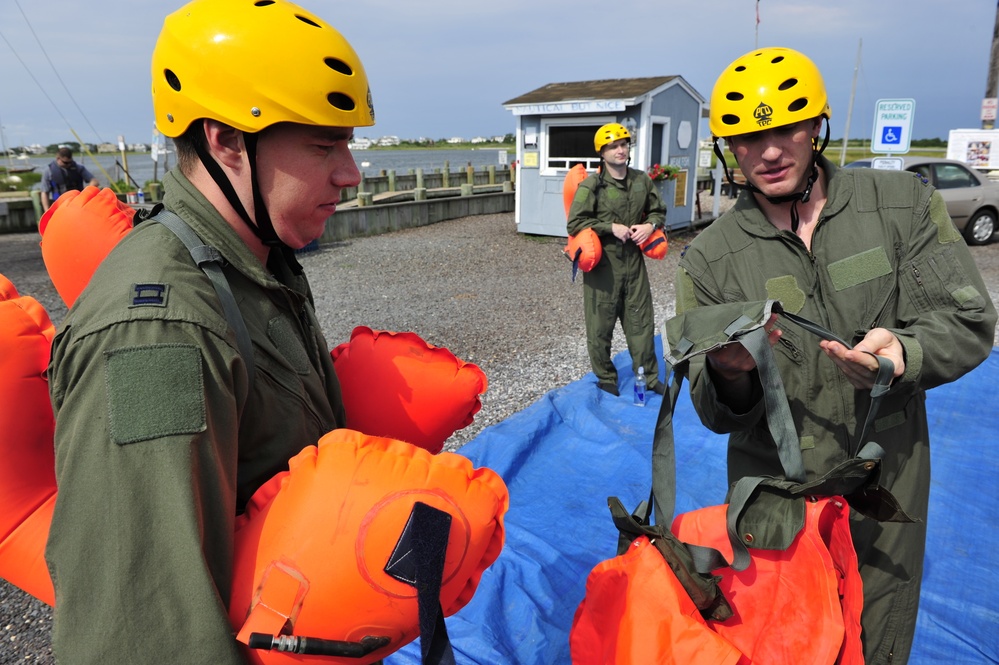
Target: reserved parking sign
column 893, row 125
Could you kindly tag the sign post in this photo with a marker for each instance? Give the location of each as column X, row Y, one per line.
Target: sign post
column 892, row 131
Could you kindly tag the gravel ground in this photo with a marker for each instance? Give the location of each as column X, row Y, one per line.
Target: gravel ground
column 474, row 285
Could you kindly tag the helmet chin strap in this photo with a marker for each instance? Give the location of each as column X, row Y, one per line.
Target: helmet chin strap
column 264, row 227
column 803, row 196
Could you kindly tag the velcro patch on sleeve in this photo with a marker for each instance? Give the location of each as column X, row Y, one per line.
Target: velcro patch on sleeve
column 154, row 391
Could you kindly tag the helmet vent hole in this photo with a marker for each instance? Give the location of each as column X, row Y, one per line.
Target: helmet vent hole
column 263, row 3
column 787, row 85
column 172, row 80
column 730, row 119
column 740, row 68
column 307, row 20
column 340, row 101
column 735, row 96
column 797, row 104
column 779, row 58
column 339, row 66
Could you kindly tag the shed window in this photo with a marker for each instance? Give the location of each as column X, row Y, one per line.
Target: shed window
column 569, row 145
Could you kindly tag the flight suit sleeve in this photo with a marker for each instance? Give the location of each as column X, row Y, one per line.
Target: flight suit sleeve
column 140, row 548
column 714, row 414
column 946, row 318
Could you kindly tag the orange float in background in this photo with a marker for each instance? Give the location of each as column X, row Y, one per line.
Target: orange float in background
column 398, row 386
column 78, row 231
column 584, row 250
column 576, row 175
column 311, row 548
column 27, row 474
column 656, row 245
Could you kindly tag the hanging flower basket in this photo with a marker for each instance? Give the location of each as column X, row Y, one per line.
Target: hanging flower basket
column 661, row 173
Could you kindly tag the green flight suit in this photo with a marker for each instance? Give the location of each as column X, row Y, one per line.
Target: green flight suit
column 161, row 439
column 618, row 286
column 884, row 253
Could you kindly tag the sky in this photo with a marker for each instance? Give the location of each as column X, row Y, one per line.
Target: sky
column 443, row 68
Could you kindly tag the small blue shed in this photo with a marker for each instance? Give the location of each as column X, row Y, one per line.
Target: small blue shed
column 555, row 128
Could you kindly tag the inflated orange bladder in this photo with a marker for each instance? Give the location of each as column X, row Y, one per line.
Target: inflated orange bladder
column 27, row 474
column 584, row 250
column 314, row 542
column 397, row 385
column 656, row 245
column 77, row 232
column 576, row 175
column 636, row 612
column 799, row 605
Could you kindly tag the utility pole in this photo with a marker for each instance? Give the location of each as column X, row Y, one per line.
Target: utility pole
column 992, row 79
column 849, row 110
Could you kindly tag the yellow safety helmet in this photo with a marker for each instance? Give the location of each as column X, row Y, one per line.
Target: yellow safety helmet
column 251, row 64
column 609, row 133
column 767, row 88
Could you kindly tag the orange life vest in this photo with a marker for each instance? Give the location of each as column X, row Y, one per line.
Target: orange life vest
column 793, row 606
column 799, row 605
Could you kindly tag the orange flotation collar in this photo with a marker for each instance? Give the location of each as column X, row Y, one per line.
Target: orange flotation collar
column 313, row 544
column 77, row 232
column 27, row 475
column 398, row 386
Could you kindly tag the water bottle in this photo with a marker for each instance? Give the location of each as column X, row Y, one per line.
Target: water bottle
column 640, row 387
column 140, row 196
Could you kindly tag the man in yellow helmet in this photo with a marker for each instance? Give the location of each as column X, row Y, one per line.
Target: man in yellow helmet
column 623, row 206
column 193, row 367
column 871, row 255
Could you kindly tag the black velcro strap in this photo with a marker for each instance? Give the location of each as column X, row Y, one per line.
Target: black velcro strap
column 418, row 560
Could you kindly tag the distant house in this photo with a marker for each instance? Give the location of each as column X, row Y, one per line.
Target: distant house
column 555, row 128
column 359, row 143
column 480, row 139
column 388, row 141
column 456, row 139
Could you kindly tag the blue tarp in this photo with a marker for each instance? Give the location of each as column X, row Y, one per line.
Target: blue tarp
column 564, row 455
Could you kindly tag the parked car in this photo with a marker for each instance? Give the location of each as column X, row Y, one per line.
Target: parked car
column 972, row 199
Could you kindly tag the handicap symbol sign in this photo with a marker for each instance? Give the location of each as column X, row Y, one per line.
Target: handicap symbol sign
column 891, row 135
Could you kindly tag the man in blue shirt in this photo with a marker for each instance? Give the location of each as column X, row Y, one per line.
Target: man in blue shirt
column 64, row 175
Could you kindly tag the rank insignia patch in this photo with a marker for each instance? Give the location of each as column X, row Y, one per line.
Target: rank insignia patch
column 149, row 295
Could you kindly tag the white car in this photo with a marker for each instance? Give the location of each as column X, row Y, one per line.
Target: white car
column 972, row 199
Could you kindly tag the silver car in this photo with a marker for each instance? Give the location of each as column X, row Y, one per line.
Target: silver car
column 972, row 199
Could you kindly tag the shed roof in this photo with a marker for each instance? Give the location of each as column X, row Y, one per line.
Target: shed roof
column 602, row 89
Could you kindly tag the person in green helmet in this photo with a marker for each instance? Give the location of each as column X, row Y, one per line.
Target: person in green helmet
column 168, row 418
column 623, row 206
column 872, row 256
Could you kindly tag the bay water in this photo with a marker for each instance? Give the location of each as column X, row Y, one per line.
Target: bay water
column 142, row 168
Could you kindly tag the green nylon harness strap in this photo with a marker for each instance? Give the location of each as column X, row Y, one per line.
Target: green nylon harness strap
column 747, row 328
column 210, row 261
